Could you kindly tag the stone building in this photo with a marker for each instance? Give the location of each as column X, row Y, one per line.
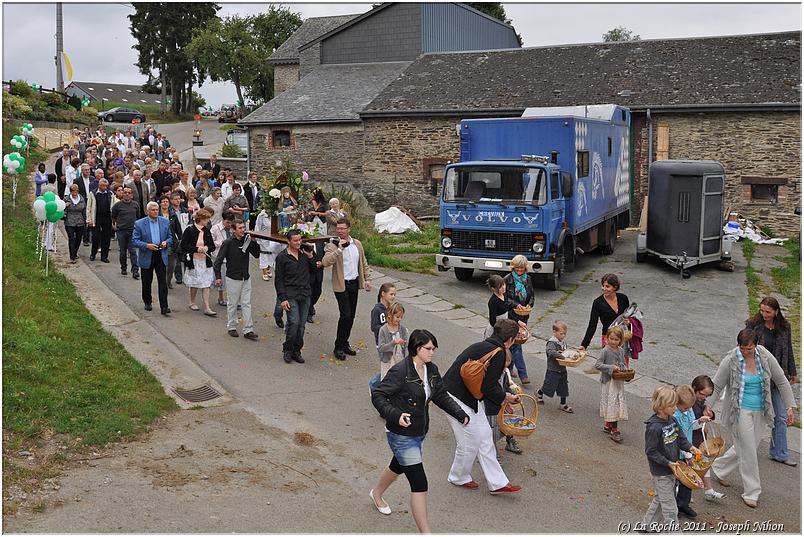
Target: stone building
column 736, row 99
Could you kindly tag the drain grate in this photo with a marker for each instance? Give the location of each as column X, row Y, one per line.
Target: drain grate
column 197, row 395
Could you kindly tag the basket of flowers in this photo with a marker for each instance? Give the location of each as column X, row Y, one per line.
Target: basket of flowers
column 571, row 357
column 523, row 310
column 522, row 336
column 518, row 423
column 626, row 375
column 687, row 476
column 701, row 464
column 713, row 444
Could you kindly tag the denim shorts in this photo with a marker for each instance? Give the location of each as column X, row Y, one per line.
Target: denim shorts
column 406, row 449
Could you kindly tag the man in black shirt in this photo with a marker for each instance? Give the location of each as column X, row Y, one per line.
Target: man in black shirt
column 100, row 220
column 161, row 176
column 213, row 167
column 124, row 214
column 234, row 251
column 292, row 284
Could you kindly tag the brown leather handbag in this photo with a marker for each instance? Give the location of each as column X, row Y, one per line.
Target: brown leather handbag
column 474, row 371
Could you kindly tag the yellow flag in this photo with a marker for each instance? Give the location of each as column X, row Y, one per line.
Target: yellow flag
column 68, row 68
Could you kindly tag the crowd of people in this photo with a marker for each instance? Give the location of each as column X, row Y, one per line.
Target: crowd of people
column 195, row 231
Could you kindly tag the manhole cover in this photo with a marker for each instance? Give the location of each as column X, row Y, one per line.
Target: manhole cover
column 197, row 395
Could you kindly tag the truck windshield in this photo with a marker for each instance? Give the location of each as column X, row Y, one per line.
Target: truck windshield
column 496, row 185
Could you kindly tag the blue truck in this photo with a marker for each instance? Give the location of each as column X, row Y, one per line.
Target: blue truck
column 549, row 185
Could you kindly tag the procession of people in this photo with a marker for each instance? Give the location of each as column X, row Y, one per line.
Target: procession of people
column 202, row 233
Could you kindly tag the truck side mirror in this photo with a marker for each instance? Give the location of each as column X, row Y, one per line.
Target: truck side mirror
column 566, row 185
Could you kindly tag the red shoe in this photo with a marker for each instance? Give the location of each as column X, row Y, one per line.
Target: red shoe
column 507, row 489
column 468, row 484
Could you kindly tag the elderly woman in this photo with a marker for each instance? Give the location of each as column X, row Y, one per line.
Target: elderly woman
column 215, row 202
column 75, row 220
column 605, row 308
column 773, row 332
column 745, row 375
column 196, row 247
column 519, row 292
column 403, row 398
column 192, row 201
column 476, row 441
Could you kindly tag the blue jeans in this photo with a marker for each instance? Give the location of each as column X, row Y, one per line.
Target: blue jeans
column 406, row 449
column 294, row 327
column 374, row 382
column 124, row 243
column 778, row 444
column 519, row 361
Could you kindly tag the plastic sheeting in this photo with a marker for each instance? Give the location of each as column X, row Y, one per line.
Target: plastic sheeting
column 737, row 232
column 393, row 220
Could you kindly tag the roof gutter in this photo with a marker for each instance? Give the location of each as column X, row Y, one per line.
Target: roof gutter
column 297, row 122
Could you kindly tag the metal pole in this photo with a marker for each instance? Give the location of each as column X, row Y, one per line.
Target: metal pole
column 59, row 48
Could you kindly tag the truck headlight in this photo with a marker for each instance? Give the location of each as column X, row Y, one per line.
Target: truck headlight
column 446, row 242
column 538, row 247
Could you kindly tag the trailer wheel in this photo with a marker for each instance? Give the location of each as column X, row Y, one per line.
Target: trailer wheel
column 641, row 257
column 726, row 265
column 463, row 274
column 608, row 247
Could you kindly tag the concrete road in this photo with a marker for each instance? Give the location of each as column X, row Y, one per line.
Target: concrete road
column 575, row 478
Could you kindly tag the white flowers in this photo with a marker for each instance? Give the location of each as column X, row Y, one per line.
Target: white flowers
column 274, row 193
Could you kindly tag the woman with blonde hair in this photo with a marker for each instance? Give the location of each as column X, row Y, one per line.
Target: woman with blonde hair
column 196, row 247
column 519, row 292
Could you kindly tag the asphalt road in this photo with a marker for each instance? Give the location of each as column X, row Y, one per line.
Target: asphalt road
column 575, row 478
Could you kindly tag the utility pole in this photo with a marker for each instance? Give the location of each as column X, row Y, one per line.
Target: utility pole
column 59, row 48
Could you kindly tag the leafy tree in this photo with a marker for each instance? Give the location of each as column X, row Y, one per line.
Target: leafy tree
column 75, row 102
column 620, row 33
column 270, row 29
column 21, row 88
column 495, row 10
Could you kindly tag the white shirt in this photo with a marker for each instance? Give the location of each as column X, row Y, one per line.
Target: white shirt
column 69, row 177
column 227, row 190
column 351, row 257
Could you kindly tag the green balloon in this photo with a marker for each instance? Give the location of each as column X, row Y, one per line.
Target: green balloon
column 49, row 196
column 41, row 198
column 53, row 217
column 51, row 207
column 60, row 214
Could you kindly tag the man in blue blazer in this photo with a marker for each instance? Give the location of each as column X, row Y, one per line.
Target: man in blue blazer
column 152, row 237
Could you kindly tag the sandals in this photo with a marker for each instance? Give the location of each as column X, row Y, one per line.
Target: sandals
column 194, row 307
column 384, row 509
column 210, row 313
column 567, row 409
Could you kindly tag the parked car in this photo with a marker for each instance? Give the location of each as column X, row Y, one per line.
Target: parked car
column 228, row 112
column 122, row 115
column 238, row 137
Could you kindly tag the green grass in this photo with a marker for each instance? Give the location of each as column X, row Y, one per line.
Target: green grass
column 151, row 112
column 787, row 279
column 752, row 281
column 397, row 251
column 61, row 370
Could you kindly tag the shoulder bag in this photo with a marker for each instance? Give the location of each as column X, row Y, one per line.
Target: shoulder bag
column 474, row 371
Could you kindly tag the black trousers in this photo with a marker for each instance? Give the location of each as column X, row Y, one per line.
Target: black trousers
column 86, row 235
column 102, row 237
column 347, row 307
column 74, row 236
column 147, row 275
column 683, row 495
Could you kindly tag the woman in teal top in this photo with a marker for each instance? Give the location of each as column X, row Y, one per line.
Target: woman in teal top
column 745, row 374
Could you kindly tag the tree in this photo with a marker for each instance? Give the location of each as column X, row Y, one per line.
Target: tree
column 271, row 29
column 494, row 10
column 620, row 33
column 226, row 50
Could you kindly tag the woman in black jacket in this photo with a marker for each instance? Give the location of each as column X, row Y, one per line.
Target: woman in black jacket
column 477, row 440
column 196, row 249
column 402, row 398
column 774, row 334
column 605, row 308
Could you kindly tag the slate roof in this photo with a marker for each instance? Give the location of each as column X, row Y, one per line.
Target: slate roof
column 310, row 30
column 329, row 93
column 740, row 69
column 129, row 95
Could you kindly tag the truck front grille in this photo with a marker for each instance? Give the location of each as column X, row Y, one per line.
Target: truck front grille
column 515, row 243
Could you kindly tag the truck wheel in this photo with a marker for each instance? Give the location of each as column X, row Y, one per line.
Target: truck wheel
column 569, row 255
column 608, row 246
column 552, row 281
column 463, row 274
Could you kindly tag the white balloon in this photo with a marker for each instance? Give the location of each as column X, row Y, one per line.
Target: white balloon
column 39, row 209
column 15, row 164
column 60, row 205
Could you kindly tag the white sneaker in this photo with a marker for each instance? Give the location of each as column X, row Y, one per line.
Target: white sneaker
column 713, row 495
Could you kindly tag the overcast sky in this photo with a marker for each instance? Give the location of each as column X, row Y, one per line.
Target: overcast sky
column 98, row 40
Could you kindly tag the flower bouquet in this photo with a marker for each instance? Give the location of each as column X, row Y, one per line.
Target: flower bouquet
column 308, row 230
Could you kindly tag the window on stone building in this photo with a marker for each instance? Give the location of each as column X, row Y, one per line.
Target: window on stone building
column 764, row 193
column 280, row 138
column 583, row 163
column 433, row 173
column 762, row 189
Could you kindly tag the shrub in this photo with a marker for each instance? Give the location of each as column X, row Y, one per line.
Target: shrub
column 75, row 102
column 21, row 88
column 231, row 151
column 15, row 107
column 52, row 99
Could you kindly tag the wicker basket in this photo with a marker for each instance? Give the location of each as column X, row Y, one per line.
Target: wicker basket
column 713, row 445
column 623, row 374
column 702, row 466
column 522, row 337
column 687, row 476
column 523, row 311
column 513, row 424
column 571, row 358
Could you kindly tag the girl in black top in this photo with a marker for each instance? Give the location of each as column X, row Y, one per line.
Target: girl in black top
column 605, row 308
column 498, row 309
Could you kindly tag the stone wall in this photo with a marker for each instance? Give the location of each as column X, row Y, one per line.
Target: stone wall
column 396, row 152
column 239, row 166
column 285, row 75
column 330, row 153
column 753, row 147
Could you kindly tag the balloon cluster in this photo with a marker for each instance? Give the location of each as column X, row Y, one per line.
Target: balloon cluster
column 36, row 87
column 13, row 163
column 19, row 142
column 84, row 102
column 49, row 207
column 27, row 130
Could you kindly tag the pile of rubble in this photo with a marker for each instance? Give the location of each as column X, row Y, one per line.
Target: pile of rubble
column 739, row 227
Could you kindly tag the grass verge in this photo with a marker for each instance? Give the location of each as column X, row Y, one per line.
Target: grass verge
column 409, row 252
column 63, row 375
